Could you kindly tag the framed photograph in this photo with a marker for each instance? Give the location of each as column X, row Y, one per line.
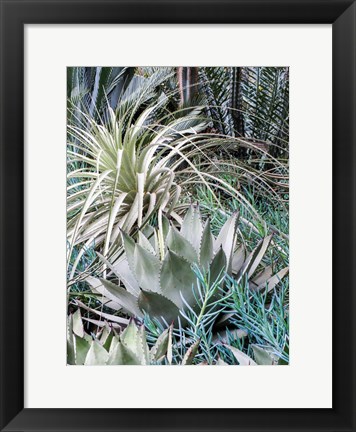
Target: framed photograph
column 177, row 215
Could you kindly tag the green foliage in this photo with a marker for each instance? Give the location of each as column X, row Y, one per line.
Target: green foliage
column 157, row 270
column 252, row 102
column 207, row 284
column 119, row 347
column 260, row 337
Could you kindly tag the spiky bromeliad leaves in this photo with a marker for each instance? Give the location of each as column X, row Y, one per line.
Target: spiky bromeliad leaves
column 127, row 172
column 125, row 347
column 158, row 270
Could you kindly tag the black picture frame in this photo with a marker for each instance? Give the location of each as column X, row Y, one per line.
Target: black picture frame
column 14, row 15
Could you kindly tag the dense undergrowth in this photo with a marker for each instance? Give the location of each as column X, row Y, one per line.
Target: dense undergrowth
column 178, row 216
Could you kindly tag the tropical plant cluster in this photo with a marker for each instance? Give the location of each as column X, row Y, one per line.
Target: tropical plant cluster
column 177, row 216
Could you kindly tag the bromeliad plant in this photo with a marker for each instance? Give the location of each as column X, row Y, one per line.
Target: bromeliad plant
column 119, row 347
column 158, row 271
column 125, row 174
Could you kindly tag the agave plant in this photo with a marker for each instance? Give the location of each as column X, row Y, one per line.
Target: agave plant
column 158, row 273
column 126, row 347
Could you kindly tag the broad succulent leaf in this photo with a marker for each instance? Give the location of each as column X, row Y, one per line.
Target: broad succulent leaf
column 129, row 336
column 122, row 355
column 97, row 287
column 159, row 350
column 206, row 250
column 123, row 297
column 217, row 266
column 157, row 305
column 130, row 347
column 147, row 269
column 122, row 270
column 82, row 347
column 129, row 246
column 179, row 245
column 192, row 227
column 144, row 242
column 177, row 279
column 97, row 355
column 238, row 259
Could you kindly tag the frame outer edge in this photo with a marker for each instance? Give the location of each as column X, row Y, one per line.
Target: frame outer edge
column 11, row 218
column 344, row 215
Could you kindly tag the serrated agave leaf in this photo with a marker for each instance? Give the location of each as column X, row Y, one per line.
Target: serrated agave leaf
column 129, row 336
column 70, row 350
column 122, row 355
column 142, row 345
column 150, row 233
column 145, row 243
column 206, row 247
column 114, row 342
column 81, row 350
column 181, row 246
column 242, row 358
column 97, row 355
column 255, row 257
column 274, row 280
column 238, row 259
column 78, row 328
column 123, row 271
column 177, row 278
column 121, row 296
column 227, row 238
column 262, row 357
column 129, row 246
column 218, row 267
column 190, row 354
column 157, row 306
column 159, row 349
column 147, row 269
column 192, row 227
